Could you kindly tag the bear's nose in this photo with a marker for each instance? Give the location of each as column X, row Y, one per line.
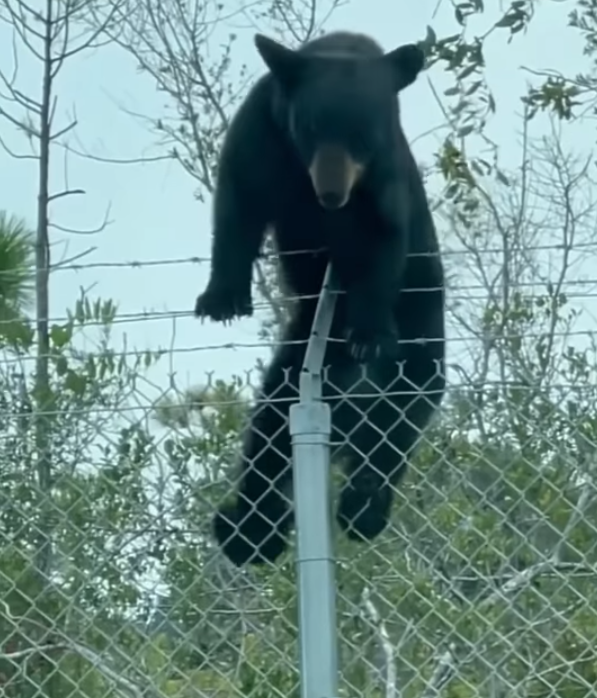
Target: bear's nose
column 331, row 200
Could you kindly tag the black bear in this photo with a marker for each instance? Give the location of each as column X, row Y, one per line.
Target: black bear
column 316, row 153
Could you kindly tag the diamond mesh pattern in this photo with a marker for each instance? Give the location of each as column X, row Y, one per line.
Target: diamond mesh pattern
column 482, row 584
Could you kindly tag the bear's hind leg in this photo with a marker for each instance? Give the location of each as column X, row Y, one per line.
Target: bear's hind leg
column 255, row 527
column 382, row 432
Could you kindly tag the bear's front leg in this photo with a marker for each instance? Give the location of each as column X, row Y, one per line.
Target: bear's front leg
column 374, row 289
column 239, row 227
column 370, row 327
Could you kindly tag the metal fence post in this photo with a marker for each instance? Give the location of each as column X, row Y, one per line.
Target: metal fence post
column 310, row 428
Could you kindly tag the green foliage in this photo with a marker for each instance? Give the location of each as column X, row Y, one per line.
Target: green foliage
column 16, row 280
column 98, row 504
column 16, row 262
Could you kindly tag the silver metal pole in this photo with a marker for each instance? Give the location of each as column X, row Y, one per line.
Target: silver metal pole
column 310, row 429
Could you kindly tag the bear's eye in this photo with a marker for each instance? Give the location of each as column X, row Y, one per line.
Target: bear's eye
column 368, row 139
column 302, row 127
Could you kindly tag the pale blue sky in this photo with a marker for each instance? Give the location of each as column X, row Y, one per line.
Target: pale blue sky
column 153, row 212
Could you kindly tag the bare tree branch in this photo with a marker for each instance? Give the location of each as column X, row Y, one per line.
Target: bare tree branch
column 444, row 671
column 390, row 679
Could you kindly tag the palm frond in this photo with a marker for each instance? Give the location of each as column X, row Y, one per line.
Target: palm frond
column 17, row 273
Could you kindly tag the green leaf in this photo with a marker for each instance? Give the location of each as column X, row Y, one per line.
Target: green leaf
column 60, row 336
column 465, row 130
column 469, row 70
column 502, row 177
column 75, row 382
column 61, row 365
column 506, row 21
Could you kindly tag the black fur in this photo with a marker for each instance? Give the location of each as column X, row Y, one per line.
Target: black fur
column 341, row 88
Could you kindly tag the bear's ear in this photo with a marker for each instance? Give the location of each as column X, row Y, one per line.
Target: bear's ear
column 285, row 64
column 405, row 63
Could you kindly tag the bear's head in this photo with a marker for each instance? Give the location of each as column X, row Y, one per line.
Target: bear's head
column 341, row 110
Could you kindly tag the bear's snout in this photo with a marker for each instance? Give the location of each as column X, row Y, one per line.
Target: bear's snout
column 332, row 200
column 333, row 173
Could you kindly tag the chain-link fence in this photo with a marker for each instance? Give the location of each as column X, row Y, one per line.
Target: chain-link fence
column 483, row 583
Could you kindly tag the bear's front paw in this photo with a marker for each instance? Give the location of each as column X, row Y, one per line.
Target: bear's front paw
column 365, row 345
column 370, row 338
column 371, row 330
column 224, row 302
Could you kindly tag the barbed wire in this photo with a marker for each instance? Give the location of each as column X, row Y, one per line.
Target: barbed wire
column 178, row 261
